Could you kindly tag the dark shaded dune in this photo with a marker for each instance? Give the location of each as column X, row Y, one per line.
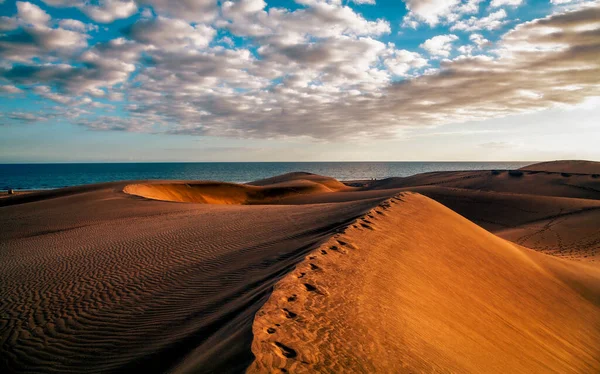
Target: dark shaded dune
column 96, row 280
column 59, row 192
column 567, row 166
column 564, row 227
column 520, row 182
column 422, row 289
column 572, row 235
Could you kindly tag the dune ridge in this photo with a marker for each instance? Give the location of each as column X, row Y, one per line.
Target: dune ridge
column 413, row 287
column 566, row 166
column 260, row 192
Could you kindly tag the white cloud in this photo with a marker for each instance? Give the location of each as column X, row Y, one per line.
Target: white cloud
column 35, row 38
column 434, row 12
column 478, row 40
column 188, row 10
column 32, row 14
column 10, row 89
column 8, row 23
column 491, row 22
column 440, row 45
column 319, row 18
column 75, row 25
column 316, row 71
column 499, row 3
column 430, row 11
column 109, row 10
column 103, row 11
column 401, row 62
column 167, row 33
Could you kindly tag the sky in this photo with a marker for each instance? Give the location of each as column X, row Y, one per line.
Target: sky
column 299, row 80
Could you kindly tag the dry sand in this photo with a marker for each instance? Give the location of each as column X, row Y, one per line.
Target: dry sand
column 154, row 279
column 414, row 287
column 567, row 166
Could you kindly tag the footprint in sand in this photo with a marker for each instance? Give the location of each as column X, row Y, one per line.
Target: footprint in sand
column 311, row 288
column 367, row 226
column 347, row 245
column 288, row 313
column 286, row 351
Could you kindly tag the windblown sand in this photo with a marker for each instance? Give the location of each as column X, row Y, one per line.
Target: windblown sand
column 168, row 276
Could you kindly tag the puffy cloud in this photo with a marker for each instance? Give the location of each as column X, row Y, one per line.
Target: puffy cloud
column 104, row 11
column 170, row 33
column 440, row 45
column 99, row 69
column 10, row 89
column 32, row 14
column 109, row 10
column 499, row 3
column 316, row 71
column 492, row 21
column 8, row 23
column 75, row 25
column 466, row 89
column 35, row 38
column 433, row 12
column 400, row 62
column 188, row 10
column 319, row 19
column 430, row 11
column 478, row 40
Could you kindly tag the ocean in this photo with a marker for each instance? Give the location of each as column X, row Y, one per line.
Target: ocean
column 46, row 176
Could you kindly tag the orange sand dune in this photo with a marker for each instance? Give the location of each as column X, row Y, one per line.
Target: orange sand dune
column 261, row 192
column 222, row 193
column 567, row 166
column 414, row 287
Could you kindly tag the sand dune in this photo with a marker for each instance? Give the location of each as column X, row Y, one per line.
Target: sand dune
column 260, row 192
column 567, row 166
column 565, row 227
column 516, row 181
column 414, row 287
column 96, row 280
column 158, row 276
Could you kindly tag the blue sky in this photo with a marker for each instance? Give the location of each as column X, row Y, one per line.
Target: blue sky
column 156, row 80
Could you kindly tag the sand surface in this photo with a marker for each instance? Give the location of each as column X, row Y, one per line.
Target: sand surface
column 414, row 287
column 567, row 166
column 168, row 276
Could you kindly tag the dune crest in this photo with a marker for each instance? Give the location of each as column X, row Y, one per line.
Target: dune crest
column 266, row 191
column 230, row 193
column 414, row 287
column 566, row 166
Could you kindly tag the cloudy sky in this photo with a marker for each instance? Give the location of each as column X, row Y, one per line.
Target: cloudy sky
column 288, row 80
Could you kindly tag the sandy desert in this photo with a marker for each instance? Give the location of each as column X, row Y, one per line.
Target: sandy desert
column 493, row 271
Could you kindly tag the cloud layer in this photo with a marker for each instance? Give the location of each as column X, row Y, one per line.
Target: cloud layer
column 243, row 69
